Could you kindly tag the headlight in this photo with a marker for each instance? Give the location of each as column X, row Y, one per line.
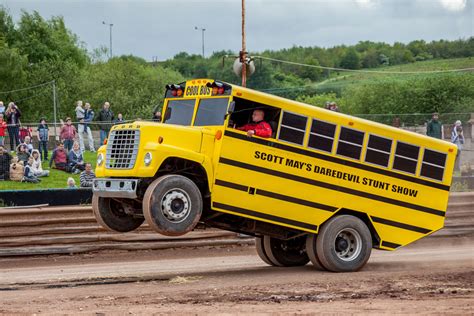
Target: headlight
column 147, row 159
column 100, row 159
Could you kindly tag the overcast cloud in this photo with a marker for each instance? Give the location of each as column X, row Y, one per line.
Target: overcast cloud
column 165, row 28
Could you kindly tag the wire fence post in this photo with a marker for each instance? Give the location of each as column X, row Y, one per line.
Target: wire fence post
column 54, row 110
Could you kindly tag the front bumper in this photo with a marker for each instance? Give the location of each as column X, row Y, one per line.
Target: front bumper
column 115, row 188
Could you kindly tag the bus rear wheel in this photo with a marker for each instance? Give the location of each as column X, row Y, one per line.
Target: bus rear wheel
column 343, row 244
column 112, row 215
column 172, row 205
column 286, row 253
column 260, row 247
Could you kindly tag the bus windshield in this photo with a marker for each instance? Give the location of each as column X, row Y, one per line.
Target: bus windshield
column 180, row 112
column 211, row 112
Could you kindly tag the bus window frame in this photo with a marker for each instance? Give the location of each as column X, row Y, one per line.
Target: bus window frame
column 324, row 136
column 417, row 169
column 226, row 115
column 389, row 153
column 165, row 108
column 346, row 142
column 277, row 136
column 422, row 162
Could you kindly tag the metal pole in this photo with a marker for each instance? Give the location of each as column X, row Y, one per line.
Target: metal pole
column 111, row 40
column 203, row 42
column 244, row 55
column 54, row 107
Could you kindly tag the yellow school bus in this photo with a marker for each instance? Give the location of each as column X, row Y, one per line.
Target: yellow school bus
column 321, row 186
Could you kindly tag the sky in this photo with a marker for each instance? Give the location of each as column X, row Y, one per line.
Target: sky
column 156, row 29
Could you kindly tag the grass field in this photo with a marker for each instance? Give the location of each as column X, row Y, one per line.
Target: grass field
column 56, row 179
column 343, row 79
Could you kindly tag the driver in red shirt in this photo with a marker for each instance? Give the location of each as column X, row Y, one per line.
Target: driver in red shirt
column 258, row 126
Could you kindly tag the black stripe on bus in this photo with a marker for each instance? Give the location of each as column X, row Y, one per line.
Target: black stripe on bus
column 353, row 164
column 244, row 211
column 232, row 185
column 277, row 196
column 330, row 186
column 389, row 244
column 400, row 225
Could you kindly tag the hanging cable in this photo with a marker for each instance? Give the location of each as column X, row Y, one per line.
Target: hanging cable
column 27, row 88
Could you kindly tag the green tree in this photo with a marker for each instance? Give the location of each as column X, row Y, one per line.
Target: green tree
column 351, row 60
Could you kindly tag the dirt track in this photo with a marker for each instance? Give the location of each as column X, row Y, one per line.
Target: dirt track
column 434, row 275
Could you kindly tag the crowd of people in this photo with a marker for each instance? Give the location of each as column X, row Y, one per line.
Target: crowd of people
column 24, row 162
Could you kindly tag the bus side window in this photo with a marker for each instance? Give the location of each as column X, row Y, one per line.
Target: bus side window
column 433, row 165
column 322, row 135
column 378, row 150
column 293, row 128
column 350, row 143
column 406, row 157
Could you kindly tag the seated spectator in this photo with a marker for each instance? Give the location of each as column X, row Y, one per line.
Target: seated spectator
column 16, row 169
column 37, row 166
column 22, row 153
column 75, row 159
column 59, row 158
column 87, row 176
column 3, row 128
column 5, row 160
column 29, row 145
column 28, row 175
column 71, row 183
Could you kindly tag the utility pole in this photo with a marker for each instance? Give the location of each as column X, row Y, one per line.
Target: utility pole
column 110, row 37
column 202, row 31
column 243, row 54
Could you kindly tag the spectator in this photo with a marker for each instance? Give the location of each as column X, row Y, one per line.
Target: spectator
column 43, row 136
column 3, row 128
column 59, row 157
column 13, row 121
column 25, row 131
column 80, row 114
column 119, row 119
column 88, row 117
column 29, row 145
column 75, row 159
column 2, row 108
column 87, row 176
column 28, row 175
column 396, row 122
column 5, row 160
column 16, row 170
column 457, row 138
column 156, row 116
column 333, row 107
column 68, row 133
column 71, row 183
column 434, row 127
column 37, row 165
column 106, row 118
column 22, row 153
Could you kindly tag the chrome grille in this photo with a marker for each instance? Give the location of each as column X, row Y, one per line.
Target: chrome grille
column 122, row 149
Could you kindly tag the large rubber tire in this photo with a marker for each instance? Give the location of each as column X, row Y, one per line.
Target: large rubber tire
column 172, row 205
column 259, row 246
column 344, row 244
column 111, row 214
column 311, row 251
column 286, row 253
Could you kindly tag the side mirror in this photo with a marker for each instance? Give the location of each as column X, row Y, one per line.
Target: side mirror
column 167, row 114
column 231, row 107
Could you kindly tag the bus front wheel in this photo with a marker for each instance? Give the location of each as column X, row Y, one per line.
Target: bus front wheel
column 286, row 253
column 172, row 205
column 112, row 215
column 343, row 244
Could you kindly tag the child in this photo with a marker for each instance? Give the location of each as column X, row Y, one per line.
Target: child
column 36, row 166
column 43, row 136
column 29, row 145
column 22, row 153
column 24, row 131
column 68, row 133
column 28, row 175
column 3, row 128
column 16, row 169
column 71, row 183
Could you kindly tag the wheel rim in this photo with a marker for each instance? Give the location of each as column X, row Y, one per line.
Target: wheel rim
column 176, row 205
column 348, row 244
